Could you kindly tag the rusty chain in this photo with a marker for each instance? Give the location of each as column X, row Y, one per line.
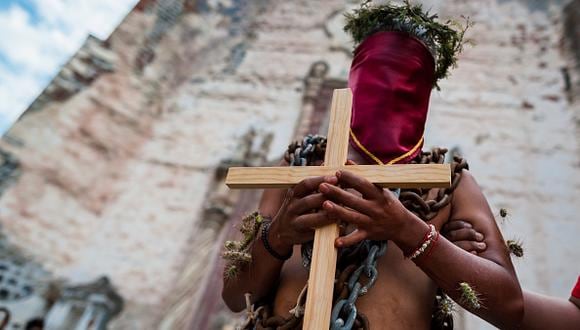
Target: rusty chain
column 311, row 149
column 347, row 307
column 348, row 286
column 416, row 200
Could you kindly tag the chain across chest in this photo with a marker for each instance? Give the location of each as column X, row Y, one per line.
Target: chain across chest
column 357, row 267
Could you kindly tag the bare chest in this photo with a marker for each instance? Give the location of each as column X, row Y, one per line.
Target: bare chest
column 401, row 298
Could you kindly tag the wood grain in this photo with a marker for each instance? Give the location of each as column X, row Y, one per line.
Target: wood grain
column 323, row 265
column 386, row 176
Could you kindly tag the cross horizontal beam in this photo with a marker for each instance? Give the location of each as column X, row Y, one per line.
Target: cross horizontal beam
column 386, row 176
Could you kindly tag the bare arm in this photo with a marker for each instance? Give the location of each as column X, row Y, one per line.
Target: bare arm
column 542, row 312
column 491, row 274
column 380, row 216
column 261, row 275
column 575, row 301
column 293, row 223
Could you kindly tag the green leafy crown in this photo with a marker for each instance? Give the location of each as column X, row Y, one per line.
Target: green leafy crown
column 444, row 40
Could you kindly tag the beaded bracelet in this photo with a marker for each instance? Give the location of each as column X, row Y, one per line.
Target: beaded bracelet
column 268, row 247
column 423, row 240
column 427, row 240
column 432, row 246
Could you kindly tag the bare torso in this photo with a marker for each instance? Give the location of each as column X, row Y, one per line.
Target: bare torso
column 402, row 297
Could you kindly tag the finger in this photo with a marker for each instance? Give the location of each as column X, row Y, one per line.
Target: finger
column 341, row 213
column 307, row 186
column 286, row 200
column 344, row 197
column 350, row 162
column 471, row 246
column 456, row 224
column 331, row 179
column 307, row 203
column 351, row 239
column 360, row 184
column 464, row 234
column 311, row 221
column 342, row 226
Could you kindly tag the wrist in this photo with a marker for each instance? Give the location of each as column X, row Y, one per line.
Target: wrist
column 411, row 233
column 276, row 241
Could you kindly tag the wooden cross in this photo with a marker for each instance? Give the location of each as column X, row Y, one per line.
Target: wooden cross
column 322, row 269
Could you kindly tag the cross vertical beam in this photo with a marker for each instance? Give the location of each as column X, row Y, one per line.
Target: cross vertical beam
column 323, row 265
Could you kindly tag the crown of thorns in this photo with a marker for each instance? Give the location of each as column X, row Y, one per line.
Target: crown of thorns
column 444, row 40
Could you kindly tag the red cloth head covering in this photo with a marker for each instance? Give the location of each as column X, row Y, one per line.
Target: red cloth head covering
column 576, row 290
column 391, row 78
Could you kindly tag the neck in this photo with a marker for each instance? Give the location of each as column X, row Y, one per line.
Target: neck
column 357, row 158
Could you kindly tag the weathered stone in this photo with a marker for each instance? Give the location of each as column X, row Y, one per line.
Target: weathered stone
column 118, row 161
column 92, row 59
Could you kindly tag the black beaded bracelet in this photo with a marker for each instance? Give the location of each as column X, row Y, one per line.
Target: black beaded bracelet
column 268, row 247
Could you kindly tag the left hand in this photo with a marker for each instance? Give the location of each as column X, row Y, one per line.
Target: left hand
column 377, row 214
column 462, row 234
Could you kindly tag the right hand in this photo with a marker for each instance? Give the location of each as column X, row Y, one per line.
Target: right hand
column 300, row 214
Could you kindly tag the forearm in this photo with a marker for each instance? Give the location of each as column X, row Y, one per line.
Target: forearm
column 258, row 278
column 500, row 294
column 293, row 223
column 261, row 275
column 543, row 312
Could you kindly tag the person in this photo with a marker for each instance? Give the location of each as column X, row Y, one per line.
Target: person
column 540, row 311
column 402, row 53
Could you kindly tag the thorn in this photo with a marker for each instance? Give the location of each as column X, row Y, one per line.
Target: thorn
column 469, row 296
column 515, row 247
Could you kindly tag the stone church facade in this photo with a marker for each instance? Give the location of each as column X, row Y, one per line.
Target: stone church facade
column 116, row 170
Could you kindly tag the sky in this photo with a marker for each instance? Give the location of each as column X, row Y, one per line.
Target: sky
column 38, row 36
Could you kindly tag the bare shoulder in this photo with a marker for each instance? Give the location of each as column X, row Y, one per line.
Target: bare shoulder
column 470, row 205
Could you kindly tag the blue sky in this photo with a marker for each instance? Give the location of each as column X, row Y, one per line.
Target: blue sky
column 38, row 36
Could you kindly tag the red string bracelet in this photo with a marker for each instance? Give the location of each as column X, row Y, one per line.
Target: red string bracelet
column 427, row 240
column 432, row 246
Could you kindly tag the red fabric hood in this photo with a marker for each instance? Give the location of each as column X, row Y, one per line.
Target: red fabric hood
column 391, row 78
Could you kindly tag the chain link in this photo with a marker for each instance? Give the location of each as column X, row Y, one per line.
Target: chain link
column 306, row 153
column 347, row 307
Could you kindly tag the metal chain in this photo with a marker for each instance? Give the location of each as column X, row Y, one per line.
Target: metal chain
column 416, row 200
column 347, row 307
column 348, row 285
column 306, row 153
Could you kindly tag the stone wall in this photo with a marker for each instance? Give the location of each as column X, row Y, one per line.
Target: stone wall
column 115, row 180
column 115, row 177
column 506, row 108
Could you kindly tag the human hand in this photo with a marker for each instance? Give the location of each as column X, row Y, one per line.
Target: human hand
column 377, row 213
column 299, row 215
column 462, row 234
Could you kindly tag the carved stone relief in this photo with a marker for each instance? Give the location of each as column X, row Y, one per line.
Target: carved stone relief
column 318, row 89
